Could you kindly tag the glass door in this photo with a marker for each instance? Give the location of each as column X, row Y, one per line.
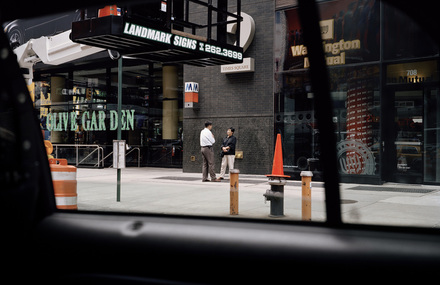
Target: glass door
column 431, row 161
column 403, row 135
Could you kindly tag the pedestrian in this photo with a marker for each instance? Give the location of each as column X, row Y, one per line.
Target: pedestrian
column 206, row 141
column 228, row 152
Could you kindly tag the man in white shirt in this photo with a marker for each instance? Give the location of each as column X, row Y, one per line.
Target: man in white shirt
column 206, row 141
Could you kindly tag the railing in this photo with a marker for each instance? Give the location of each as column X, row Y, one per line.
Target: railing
column 97, row 148
column 100, row 156
column 127, row 153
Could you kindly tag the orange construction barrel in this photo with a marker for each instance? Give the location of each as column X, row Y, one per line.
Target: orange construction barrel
column 64, row 183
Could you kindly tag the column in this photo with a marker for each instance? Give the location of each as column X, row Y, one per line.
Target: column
column 57, row 84
column 170, row 111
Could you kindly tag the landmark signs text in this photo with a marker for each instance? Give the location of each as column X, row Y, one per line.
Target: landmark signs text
column 179, row 41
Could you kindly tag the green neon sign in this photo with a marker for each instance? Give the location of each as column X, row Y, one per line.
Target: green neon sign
column 90, row 121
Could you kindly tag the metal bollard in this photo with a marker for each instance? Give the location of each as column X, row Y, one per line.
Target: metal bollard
column 306, row 178
column 233, row 193
column 276, row 196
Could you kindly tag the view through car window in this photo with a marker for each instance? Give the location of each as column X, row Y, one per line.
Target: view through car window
column 180, row 107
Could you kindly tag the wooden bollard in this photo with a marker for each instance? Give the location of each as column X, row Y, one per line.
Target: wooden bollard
column 306, row 178
column 233, row 173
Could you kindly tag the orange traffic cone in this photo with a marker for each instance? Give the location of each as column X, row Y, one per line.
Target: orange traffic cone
column 277, row 168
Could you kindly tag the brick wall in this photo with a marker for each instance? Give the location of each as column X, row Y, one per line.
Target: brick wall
column 242, row 100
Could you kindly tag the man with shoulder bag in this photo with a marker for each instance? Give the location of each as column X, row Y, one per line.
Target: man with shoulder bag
column 228, row 152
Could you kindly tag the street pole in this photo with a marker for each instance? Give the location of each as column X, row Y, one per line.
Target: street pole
column 118, row 187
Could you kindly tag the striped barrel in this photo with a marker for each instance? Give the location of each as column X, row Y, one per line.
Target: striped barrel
column 64, row 183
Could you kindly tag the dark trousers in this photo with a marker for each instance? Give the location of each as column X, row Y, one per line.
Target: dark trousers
column 208, row 163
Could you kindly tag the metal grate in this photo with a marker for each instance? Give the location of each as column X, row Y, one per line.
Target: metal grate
column 392, row 189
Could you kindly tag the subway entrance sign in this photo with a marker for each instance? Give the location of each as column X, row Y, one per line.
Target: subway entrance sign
column 132, row 37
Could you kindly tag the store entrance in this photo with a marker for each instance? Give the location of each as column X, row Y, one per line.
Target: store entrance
column 403, row 134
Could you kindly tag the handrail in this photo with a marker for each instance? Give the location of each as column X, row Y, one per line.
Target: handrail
column 97, row 149
column 77, row 146
column 139, row 154
column 102, row 161
column 135, row 148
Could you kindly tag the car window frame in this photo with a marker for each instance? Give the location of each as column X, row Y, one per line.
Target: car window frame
column 46, row 239
column 309, row 17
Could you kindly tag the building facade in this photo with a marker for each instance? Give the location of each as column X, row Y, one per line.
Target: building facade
column 242, row 100
column 384, row 82
column 384, row 76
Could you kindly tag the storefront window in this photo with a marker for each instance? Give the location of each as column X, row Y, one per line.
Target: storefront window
column 355, row 93
column 350, row 38
column 431, row 162
column 413, row 87
column 403, row 38
column 385, row 101
column 78, row 113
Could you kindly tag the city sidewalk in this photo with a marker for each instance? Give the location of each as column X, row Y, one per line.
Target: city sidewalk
column 171, row 191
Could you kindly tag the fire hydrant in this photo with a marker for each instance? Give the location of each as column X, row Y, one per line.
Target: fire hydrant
column 276, row 196
column 277, row 180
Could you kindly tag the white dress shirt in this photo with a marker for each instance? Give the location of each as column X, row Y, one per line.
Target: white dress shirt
column 206, row 138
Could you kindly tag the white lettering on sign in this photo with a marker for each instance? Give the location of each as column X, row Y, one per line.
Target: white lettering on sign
column 411, row 72
column 185, row 42
column 248, row 65
column 147, row 33
column 179, row 41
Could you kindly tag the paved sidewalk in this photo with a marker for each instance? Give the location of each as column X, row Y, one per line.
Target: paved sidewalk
column 170, row 191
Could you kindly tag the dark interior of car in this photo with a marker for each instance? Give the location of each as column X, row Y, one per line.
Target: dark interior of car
column 43, row 244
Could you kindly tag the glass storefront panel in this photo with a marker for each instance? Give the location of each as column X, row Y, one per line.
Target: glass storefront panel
column 356, row 97
column 80, row 107
column 350, row 34
column 413, row 89
column 295, row 120
column 403, row 37
column 384, row 100
column 431, row 147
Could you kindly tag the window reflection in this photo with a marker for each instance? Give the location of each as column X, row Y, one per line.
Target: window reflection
column 80, row 107
column 380, row 104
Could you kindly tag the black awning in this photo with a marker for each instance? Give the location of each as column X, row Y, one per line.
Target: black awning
column 132, row 38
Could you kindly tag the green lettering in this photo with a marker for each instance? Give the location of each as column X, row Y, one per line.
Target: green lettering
column 123, row 124
column 57, row 124
column 101, row 120
column 113, row 120
column 130, row 119
column 49, row 122
column 86, row 123
column 65, row 119
column 73, row 125
column 94, row 124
